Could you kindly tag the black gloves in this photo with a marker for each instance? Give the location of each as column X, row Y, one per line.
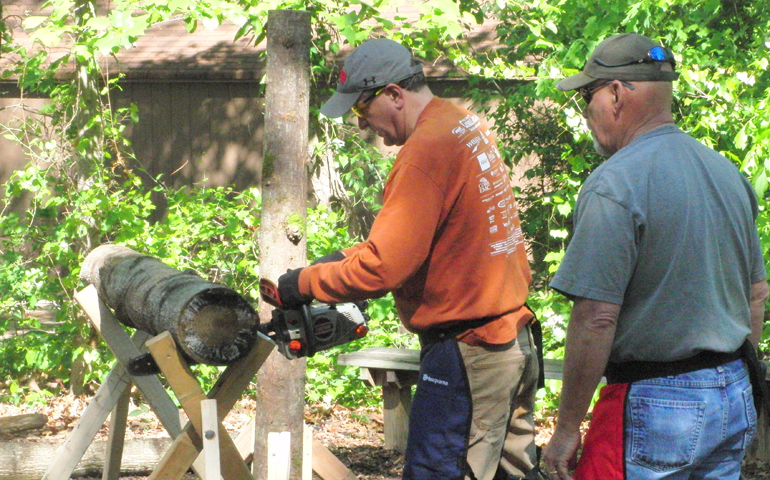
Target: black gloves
column 288, row 283
column 335, row 256
column 288, row 289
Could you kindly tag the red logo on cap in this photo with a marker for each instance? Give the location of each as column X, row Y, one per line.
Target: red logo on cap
column 343, row 76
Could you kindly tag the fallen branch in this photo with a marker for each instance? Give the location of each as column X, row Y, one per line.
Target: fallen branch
column 22, row 423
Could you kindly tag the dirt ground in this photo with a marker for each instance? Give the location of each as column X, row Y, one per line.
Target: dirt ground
column 354, row 436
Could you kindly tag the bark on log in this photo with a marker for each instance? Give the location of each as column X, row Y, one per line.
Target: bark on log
column 22, row 423
column 210, row 323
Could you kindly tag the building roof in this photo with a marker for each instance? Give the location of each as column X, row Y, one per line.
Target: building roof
column 167, row 52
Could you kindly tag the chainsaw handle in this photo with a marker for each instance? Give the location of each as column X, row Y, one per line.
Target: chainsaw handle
column 268, row 290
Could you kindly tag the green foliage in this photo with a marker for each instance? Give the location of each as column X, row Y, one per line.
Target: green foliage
column 207, row 230
column 81, row 188
column 362, row 172
column 211, row 231
column 721, row 98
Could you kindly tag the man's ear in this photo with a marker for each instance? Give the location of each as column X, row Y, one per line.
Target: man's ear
column 619, row 97
column 395, row 94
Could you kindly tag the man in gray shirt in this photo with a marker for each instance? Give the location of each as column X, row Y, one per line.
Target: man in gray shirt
column 668, row 281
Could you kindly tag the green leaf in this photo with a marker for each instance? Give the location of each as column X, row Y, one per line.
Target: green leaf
column 761, row 183
column 30, row 357
column 191, row 24
column 99, row 23
column 107, row 45
column 32, row 22
column 139, row 25
column 741, row 139
column 48, row 38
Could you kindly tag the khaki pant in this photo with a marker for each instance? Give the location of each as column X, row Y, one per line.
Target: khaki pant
column 503, row 383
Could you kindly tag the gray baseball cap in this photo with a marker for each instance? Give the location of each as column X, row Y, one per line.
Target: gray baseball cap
column 375, row 63
column 627, row 56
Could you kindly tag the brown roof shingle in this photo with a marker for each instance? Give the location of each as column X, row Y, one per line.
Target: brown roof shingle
column 168, row 52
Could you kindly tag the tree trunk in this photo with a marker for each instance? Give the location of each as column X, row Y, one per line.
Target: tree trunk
column 210, row 323
column 282, row 242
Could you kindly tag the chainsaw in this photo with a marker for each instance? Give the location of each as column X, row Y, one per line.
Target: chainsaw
column 312, row 328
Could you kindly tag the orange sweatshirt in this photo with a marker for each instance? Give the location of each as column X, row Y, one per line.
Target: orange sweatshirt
column 447, row 240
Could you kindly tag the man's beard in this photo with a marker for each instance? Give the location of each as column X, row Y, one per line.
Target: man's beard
column 604, row 152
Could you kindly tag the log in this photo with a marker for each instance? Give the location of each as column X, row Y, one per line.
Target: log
column 29, row 460
column 22, row 423
column 210, row 323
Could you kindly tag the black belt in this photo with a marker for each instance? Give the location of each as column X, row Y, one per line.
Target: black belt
column 440, row 333
column 628, row 372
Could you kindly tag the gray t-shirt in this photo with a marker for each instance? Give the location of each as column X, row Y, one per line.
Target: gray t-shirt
column 666, row 229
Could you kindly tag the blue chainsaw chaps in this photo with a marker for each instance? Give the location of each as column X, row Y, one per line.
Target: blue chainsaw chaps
column 440, row 417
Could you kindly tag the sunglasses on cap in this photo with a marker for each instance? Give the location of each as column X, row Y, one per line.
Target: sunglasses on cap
column 655, row 54
column 588, row 92
column 361, row 107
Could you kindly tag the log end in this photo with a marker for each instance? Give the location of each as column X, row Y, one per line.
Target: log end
column 218, row 327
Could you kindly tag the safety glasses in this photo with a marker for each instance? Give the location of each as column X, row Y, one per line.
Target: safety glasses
column 361, row 107
column 588, row 92
column 655, row 54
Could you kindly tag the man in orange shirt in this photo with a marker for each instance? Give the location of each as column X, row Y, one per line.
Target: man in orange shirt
column 449, row 245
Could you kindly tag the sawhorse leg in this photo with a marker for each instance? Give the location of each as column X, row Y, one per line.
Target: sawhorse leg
column 117, row 436
column 228, row 389
column 108, row 395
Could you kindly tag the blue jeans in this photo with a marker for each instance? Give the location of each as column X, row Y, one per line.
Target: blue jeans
column 695, row 425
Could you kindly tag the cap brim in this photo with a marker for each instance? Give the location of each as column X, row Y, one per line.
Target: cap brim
column 339, row 104
column 574, row 82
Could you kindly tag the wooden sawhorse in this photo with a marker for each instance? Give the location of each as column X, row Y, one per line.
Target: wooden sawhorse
column 113, row 396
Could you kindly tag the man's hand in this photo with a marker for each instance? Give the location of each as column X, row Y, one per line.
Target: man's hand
column 288, row 289
column 560, row 455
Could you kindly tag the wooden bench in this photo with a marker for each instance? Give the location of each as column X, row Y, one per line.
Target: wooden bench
column 396, row 370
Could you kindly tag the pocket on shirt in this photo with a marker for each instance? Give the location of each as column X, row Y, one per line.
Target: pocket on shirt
column 663, row 434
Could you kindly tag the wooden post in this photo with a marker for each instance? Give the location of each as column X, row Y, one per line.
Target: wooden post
column 228, row 389
column 210, row 425
column 282, row 243
column 109, row 394
column 396, row 370
column 307, row 453
column 397, row 402
column 278, row 455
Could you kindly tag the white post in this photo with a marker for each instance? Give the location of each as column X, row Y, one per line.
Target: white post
column 278, row 455
column 307, row 453
column 210, row 433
